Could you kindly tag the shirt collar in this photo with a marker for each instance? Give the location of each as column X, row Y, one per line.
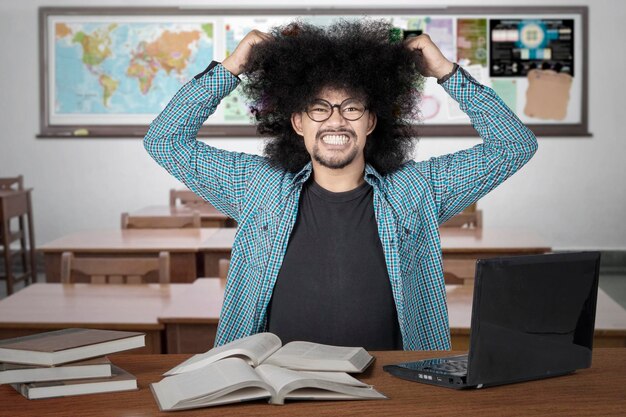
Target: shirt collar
column 372, row 177
column 304, row 174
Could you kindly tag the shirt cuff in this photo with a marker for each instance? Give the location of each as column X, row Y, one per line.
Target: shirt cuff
column 448, row 76
column 217, row 79
column 461, row 86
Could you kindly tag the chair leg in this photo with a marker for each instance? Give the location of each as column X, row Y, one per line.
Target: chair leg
column 24, row 251
column 6, row 242
column 31, row 241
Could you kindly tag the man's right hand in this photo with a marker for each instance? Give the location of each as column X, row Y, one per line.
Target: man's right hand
column 238, row 59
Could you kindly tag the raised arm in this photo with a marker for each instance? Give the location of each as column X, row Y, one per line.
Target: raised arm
column 463, row 177
column 218, row 176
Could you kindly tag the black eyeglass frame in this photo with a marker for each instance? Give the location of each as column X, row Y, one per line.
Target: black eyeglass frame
column 332, row 109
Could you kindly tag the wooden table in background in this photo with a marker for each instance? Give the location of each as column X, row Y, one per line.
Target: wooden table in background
column 460, row 248
column 156, row 309
column 182, row 318
column 190, row 325
column 598, row 391
column 209, row 215
column 182, row 244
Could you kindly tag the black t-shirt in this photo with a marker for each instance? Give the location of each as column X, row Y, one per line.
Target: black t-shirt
column 333, row 286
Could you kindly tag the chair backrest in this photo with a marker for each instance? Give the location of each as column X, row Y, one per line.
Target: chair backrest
column 192, row 221
column 185, row 197
column 471, row 217
column 222, row 268
column 12, row 183
column 131, row 270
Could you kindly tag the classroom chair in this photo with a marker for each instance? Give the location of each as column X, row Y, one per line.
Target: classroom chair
column 12, row 183
column 130, row 270
column 471, row 218
column 192, row 221
column 223, row 266
column 186, row 198
column 15, row 203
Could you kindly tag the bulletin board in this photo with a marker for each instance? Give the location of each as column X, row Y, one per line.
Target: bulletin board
column 108, row 72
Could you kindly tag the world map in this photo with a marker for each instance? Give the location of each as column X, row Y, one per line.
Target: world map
column 103, row 68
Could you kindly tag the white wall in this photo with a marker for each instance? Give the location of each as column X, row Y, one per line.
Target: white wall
column 572, row 191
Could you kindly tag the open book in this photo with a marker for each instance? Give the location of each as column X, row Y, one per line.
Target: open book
column 233, row 380
column 265, row 348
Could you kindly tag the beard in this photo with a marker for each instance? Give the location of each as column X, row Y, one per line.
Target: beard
column 336, row 160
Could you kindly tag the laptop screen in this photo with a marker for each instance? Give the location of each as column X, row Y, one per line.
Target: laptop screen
column 533, row 316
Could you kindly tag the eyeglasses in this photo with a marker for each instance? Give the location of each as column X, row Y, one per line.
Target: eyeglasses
column 321, row 110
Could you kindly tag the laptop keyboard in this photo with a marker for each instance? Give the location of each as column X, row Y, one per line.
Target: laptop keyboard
column 454, row 365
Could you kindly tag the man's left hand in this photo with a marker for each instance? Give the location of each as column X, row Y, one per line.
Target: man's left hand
column 435, row 64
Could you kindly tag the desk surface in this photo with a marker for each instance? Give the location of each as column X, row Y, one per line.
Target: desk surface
column 148, row 306
column 453, row 240
column 595, row 391
column 206, row 211
column 132, row 240
column 116, row 306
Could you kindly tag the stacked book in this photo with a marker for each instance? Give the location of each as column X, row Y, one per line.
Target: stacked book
column 259, row 367
column 67, row 362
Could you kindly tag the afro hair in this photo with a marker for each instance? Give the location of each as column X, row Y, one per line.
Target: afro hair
column 286, row 73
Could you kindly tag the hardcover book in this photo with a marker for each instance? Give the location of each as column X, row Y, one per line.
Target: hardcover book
column 67, row 345
column 12, row 373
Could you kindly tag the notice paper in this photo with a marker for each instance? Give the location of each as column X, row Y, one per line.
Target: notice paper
column 548, row 94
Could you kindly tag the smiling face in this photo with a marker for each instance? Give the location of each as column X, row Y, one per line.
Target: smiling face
column 335, row 143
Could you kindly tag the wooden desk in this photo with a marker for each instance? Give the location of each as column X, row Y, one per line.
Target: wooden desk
column 45, row 307
column 460, row 248
column 217, row 246
column 209, row 215
column 191, row 325
column 182, row 318
column 596, row 391
column 182, row 244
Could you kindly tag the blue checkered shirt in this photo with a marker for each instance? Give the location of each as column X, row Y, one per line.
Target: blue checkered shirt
column 409, row 203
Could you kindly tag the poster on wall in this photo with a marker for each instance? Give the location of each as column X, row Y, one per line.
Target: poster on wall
column 521, row 45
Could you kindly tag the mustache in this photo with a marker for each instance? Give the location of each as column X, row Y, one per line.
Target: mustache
column 348, row 132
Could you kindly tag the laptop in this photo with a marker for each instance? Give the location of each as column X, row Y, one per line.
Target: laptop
column 532, row 317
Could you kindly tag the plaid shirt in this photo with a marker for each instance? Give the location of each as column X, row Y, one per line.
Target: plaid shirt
column 409, row 203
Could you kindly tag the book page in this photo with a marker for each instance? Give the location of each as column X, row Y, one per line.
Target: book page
column 319, row 357
column 254, row 349
column 202, row 386
column 279, row 377
column 288, row 383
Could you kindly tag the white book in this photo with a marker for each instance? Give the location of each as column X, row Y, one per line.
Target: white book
column 233, row 380
column 11, row 373
column 119, row 381
column 265, row 348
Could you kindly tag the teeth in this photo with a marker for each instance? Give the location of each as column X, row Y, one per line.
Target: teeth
column 335, row 139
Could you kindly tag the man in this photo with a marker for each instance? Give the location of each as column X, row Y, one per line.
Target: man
column 337, row 238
